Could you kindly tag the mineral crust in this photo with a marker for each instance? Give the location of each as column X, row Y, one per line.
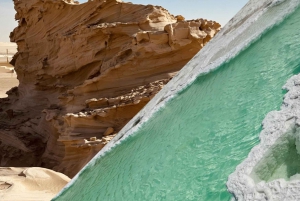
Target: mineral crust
column 271, row 171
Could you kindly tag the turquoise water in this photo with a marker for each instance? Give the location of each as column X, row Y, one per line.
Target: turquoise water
column 187, row 150
column 281, row 161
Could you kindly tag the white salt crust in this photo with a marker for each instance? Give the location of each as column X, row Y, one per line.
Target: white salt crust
column 277, row 124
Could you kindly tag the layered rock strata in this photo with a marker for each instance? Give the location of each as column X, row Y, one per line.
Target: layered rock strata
column 85, row 70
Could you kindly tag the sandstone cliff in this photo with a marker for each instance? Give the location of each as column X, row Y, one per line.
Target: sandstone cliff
column 85, row 70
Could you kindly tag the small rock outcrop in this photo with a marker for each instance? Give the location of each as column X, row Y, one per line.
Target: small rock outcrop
column 85, row 70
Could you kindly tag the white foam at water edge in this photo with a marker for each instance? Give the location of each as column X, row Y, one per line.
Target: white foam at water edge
column 229, row 42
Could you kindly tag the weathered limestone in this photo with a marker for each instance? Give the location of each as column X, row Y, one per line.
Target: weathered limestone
column 86, row 68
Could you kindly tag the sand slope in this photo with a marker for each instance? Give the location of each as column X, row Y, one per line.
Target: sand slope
column 30, row 184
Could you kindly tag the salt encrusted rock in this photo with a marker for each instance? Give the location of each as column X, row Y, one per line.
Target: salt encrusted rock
column 89, row 60
column 272, row 169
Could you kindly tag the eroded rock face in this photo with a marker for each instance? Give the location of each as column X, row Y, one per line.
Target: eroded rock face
column 85, row 70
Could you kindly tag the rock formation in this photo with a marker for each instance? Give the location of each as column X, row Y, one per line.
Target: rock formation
column 85, row 70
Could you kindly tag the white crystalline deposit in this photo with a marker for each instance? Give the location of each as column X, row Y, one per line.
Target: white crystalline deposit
column 272, row 169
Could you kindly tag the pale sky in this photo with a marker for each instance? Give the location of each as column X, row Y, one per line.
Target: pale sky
column 218, row 10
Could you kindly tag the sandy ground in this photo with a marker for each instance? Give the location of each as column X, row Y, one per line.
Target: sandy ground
column 30, row 184
column 8, row 79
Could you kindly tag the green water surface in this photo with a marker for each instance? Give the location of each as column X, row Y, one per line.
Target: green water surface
column 187, row 150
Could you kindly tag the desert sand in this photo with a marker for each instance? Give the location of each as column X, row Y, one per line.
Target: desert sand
column 8, row 79
column 28, row 184
column 7, row 50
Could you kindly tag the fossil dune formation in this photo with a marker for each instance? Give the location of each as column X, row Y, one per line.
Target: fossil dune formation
column 85, row 70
